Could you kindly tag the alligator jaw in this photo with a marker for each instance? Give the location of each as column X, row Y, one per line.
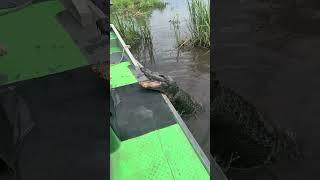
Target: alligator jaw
column 150, row 84
column 157, row 82
column 155, row 76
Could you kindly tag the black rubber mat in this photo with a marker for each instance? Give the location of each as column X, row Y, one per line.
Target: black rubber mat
column 139, row 111
column 15, row 124
column 70, row 137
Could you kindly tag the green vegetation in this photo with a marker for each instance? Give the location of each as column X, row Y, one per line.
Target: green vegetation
column 147, row 45
column 199, row 24
column 130, row 17
column 137, row 7
column 175, row 22
column 134, row 30
column 128, row 28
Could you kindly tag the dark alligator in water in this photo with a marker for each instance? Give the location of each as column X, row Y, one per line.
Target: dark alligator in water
column 180, row 99
column 242, row 137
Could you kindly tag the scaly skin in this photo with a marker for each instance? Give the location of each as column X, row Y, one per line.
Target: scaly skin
column 180, row 99
column 240, row 130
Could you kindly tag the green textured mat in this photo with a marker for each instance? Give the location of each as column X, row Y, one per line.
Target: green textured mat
column 115, row 49
column 37, row 44
column 121, row 75
column 164, row 154
column 113, row 36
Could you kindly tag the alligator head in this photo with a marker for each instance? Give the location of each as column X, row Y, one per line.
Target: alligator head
column 159, row 82
column 180, row 99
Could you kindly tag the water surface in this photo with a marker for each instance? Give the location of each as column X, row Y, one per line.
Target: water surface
column 279, row 73
column 190, row 69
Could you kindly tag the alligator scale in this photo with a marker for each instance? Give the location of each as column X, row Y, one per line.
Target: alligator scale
column 180, row 99
column 243, row 139
column 149, row 140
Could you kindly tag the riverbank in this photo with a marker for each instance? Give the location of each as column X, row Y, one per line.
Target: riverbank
column 131, row 18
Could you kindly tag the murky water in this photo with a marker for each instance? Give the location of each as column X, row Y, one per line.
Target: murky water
column 280, row 77
column 191, row 69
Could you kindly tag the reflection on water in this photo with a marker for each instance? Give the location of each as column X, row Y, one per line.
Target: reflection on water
column 191, row 69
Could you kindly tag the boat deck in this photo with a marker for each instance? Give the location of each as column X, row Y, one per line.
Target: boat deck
column 43, row 39
column 153, row 143
column 37, row 45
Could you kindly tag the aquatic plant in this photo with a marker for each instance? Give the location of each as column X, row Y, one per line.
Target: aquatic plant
column 146, row 41
column 127, row 27
column 130, row 18
column 135, row 31
column 199, row 23
column 175, row 22
column 137, row 7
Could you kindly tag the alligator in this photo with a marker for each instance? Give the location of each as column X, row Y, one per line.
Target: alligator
column 181, row 100
column 242, row 137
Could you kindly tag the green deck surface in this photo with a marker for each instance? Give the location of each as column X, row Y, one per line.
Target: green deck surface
column 37, row 44
column 121, row 75
column 164, row 154
column 115, row 49
column 113, row 36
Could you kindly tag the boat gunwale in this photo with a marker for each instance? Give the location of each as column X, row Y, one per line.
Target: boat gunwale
column 196, row 147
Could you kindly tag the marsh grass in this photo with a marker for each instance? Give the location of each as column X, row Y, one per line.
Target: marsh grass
column 137, row 7
column 199, row 23
column 136, row 32
column 128, row 28
column 130, row 17
column 175, row 22
column 147, row 44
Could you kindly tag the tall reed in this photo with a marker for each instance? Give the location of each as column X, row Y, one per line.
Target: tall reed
column 128, row 28
column 175, row 22
column 199, row 22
